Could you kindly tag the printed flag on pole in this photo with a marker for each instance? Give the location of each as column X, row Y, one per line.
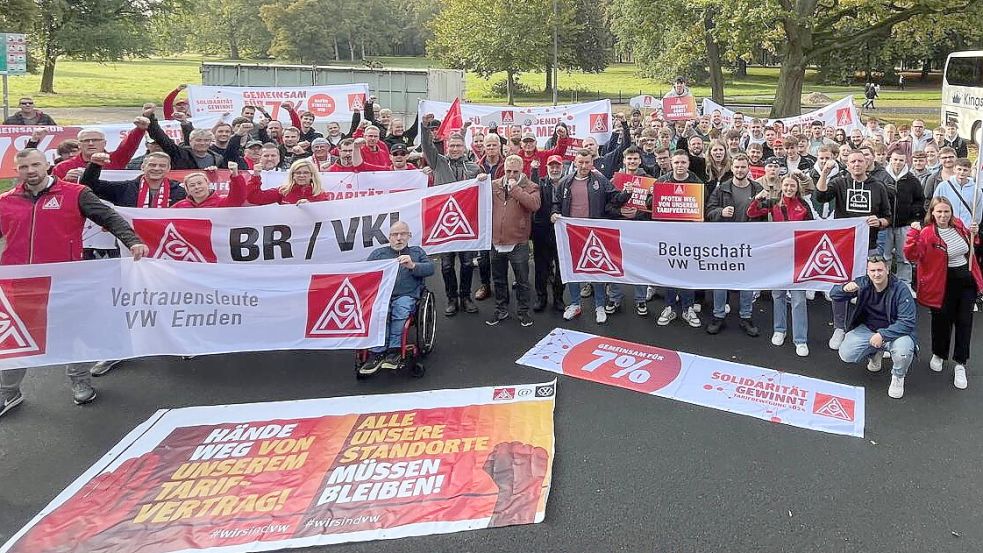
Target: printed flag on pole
column 452, row 122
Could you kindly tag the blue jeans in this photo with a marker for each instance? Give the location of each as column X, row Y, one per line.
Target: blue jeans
column 686, row 298
column 891, row 242
column 600, row 296
column 400, row 309
column 720, row 300
column 856, row 348
column 800, row 314
column 618, row 293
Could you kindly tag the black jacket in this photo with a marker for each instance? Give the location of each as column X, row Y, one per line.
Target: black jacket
column 907, row 198
column 123, row 193
column 547, row 188
column 181, row 156
column 723, row 196
column 603, row 200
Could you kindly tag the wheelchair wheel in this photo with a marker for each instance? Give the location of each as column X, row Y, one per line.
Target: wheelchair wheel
column 426, row 323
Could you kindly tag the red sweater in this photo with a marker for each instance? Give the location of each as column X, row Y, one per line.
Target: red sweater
column 258, row 196
column 380, row 157
column 542, row 155
column 117, row 159
column 794, row 210
column 927, row 249
column 238, row 188
column 169, row 103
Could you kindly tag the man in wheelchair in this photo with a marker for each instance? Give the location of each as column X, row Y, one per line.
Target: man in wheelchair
column 414, row 267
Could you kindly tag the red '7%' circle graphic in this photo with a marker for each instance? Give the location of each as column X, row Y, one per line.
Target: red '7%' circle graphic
column 624, row 364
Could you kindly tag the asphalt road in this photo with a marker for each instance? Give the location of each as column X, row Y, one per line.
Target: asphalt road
column 632, row 472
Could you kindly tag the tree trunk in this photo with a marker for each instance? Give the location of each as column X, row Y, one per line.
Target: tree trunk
column 788, row 94
column 233, row 47
column 549, row 78
column 363, row 50
column 510, row 87
column 740, row 72
column 337, row 55
column 926, row 67
column 48, row 75
column 713, row 59
column 351, row 47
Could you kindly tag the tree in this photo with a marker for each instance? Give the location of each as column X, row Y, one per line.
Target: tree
column 488, row 37
column 230, row 28
column 584, row 41
column 101, row 30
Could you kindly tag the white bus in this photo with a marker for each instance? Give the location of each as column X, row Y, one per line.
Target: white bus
column 962, row 93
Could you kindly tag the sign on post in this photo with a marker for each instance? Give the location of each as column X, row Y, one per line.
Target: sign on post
column 14, row 58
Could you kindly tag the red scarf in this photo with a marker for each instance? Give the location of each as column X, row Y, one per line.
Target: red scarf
column 163, row 195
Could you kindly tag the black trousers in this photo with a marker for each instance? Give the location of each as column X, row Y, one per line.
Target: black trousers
column 484, row 267
column 457, row 289
column 518, row 259
column 547, row 263
column 956, row 313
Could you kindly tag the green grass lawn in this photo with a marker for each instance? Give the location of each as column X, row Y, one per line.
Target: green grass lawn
column 131, row 83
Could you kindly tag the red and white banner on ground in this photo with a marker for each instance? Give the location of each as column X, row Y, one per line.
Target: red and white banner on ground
column 807, row 255
column 14, row 138
column 209, row 104
column 448, row 218
column 842, row 114
column 268, row 476
column 117, row 309
column 338, row 186
column 591, row 119
column 733, row 387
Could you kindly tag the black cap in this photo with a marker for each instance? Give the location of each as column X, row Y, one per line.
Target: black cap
column 398, row 149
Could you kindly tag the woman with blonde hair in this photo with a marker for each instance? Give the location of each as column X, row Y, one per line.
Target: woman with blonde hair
column 303, row 184
column 200, row 193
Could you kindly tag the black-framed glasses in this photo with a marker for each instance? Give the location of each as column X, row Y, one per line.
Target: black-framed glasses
column 877, row 258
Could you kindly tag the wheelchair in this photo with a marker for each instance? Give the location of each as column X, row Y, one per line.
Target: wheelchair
column 418, row 336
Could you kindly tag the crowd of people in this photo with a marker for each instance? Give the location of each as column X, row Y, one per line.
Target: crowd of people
column 914, row 186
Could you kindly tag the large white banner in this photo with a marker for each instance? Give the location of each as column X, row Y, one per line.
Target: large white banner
column 841, row 114
column 588, row 119
column 209, row 104
column 290, row 474
column 448, row 218
column 117, row 308
column 807, row 255
column 766, row 394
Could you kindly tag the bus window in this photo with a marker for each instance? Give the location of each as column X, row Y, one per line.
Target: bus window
column 965, row 71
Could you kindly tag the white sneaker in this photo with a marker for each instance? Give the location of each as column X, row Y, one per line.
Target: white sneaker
column 810, row 295
column 649, row 293
column 778, row 338
column 691, row 318
column 837, row 339
column 571, row 312
column 936, row 363
column 697, row 307
column 874, row 363
column 896, row 390
column 600, row 316
column 727, row 308
column 802, row 350
column 959, row 381
column 666, row 317
column 887, row 355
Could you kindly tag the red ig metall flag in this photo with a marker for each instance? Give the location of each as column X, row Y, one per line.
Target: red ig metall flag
column 452, row 122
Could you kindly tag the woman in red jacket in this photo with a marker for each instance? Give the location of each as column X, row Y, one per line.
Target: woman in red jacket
column 303, row 184
column 200, row 193
column 788, row 207
column 949, row 281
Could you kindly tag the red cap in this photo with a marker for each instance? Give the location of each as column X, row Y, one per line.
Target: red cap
column 554, row 159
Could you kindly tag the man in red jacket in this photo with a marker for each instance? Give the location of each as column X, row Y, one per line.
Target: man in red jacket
column 93, row 141
column 41, row 219
column 531, row 152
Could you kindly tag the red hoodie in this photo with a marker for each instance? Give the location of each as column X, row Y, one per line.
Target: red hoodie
column 543, row 155
column 238, row 188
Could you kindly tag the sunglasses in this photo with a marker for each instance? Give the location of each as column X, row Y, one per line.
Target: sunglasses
column 27, row 103
column 876, row 259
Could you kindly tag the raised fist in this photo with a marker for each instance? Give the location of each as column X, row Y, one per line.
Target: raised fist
column 518, row 470
column 100, row 158
column 141, row 123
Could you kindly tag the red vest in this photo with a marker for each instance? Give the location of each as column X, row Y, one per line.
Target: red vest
column 48, row 230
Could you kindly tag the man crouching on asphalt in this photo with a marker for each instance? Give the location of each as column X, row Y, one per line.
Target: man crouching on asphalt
column 414, row 268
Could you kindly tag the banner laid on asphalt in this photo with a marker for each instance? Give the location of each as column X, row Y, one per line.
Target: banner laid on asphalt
column 591, row 119
column 733, row 387
column 338, row 186
column 841, row 114
column 117, row 309
column 448, row 218
column 266, row 476
column 14, row 138
column 209, row 104
column 806, row 255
